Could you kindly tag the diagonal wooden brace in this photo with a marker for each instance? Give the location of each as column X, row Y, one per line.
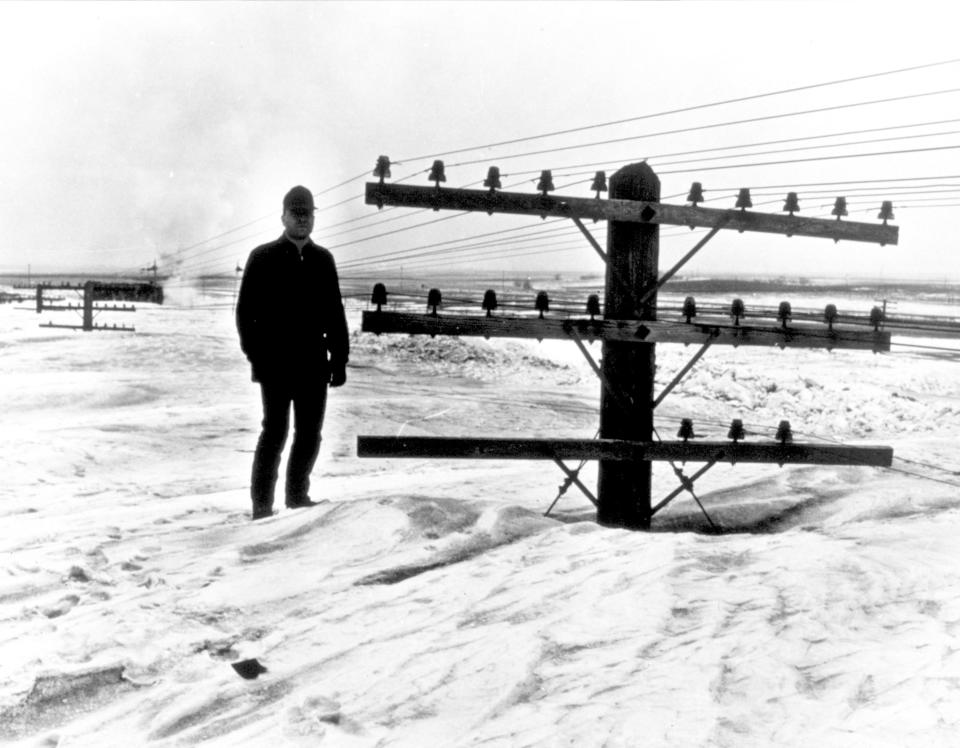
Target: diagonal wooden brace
column 593, row 242
column 685, row 485
column 618, row 396
column 574, row 478
column 625, row 287
column 683, row 372
column 683, row 260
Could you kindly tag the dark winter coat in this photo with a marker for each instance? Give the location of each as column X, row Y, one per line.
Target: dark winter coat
column 290, row 313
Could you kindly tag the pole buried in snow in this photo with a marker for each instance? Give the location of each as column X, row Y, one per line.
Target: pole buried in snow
column 623, row 495
column 88, row 305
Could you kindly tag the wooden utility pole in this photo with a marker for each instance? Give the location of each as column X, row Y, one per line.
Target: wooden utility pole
column 88, row 305
column 629, row 330
column 626, row 399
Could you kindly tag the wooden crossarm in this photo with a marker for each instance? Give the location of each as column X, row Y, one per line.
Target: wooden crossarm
column 640, row 211
column 723, row 332
column 621, row 450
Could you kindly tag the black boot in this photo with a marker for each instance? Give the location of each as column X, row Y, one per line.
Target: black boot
column 261, row 512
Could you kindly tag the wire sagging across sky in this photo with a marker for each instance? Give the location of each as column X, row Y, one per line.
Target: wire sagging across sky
column 358, row 233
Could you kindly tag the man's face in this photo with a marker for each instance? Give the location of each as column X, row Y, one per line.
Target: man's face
column 298, row 223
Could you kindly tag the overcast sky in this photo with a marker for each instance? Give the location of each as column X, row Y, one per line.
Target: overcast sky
column 135, row 132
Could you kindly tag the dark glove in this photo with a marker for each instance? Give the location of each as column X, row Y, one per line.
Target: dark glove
column 338, row 375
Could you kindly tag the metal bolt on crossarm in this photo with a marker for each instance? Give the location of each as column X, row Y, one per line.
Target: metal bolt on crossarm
column 689, row 308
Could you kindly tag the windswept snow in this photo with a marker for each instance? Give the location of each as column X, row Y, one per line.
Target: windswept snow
column 431, row 602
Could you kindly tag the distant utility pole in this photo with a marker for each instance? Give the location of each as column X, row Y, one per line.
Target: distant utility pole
column 87, row 308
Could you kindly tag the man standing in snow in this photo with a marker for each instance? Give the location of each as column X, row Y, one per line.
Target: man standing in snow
column 293, row 331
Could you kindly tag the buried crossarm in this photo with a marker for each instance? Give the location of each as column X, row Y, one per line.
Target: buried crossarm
column 782, row 451
column 628, row 331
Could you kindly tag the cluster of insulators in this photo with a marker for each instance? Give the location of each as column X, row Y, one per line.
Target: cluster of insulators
column 791, row 204
column 784, row 313
column 736, row 431
column 489, row 304
column 738, row 309
column 437, row 174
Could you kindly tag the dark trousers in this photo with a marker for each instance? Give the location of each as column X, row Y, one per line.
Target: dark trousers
column 309, row 400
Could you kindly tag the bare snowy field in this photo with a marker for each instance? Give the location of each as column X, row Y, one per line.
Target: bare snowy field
column 430, row 603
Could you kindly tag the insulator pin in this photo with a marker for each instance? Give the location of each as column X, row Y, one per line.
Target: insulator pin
column 545, row 184
column 542, row 303
column 382, row 169
column 696, row 194
column 792, row 204
column 433, row 300
column 489, row 300
column 379, row 296
column 437, row 173
column 784, row 433
column 599, row 183
column 736, row 432
column 493, row 178
column 593, row 305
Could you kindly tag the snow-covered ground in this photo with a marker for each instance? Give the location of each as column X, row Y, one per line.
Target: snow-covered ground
column 431, row 603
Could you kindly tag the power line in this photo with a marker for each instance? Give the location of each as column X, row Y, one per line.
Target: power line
column 815, row 158
column 695, row 128
column 587, row 145
column 776, row 151
column 822, row 136
column 488, row 251
column 684, row 110
column 221, row 247
column 676, row 131
column 396, row 231
column 477, row 236
column 413, row 253
column 796, row 185
column 801, row 160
